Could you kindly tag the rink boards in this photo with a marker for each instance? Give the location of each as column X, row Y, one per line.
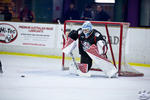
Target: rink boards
column 45, row 40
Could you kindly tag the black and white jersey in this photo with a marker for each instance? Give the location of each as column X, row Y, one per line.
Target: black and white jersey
column 85, row 43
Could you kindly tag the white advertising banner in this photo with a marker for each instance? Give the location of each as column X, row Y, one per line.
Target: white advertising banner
column 46, row 39
column 27, row 34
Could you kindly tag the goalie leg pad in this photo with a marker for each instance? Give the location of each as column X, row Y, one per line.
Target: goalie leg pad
column 83, row 67
column 83, row 74
column 108, row 68
column 82, row 71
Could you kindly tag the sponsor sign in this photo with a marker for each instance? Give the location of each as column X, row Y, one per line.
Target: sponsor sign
column 27, row 34
column 8, row 33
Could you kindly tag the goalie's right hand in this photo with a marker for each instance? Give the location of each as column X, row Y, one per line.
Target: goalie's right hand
column 69, row 46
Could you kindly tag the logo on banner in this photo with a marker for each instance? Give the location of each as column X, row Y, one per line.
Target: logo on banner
column 8, row 33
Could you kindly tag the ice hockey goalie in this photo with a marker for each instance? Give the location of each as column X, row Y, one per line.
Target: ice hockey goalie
column 92, row 47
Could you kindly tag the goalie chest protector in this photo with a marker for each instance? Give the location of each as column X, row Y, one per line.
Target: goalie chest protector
column 92, row 39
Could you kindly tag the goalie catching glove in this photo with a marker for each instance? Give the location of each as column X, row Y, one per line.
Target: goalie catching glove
column 71, row 42
column 69, row 46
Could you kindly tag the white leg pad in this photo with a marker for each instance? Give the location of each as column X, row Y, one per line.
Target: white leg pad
column 109, row 69
column 73, row 70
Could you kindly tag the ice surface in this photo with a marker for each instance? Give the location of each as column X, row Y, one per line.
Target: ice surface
column 44, row 80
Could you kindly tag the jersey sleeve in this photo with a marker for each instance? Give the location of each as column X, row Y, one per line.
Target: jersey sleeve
column 73, row 34
column 99, row 36
column 101, row 43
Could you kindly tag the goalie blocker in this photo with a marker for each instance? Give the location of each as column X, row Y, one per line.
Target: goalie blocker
column 92, row 47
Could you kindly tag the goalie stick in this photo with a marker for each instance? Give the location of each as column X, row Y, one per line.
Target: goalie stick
column 74, row 61
column 62, row 31
column 65, row 37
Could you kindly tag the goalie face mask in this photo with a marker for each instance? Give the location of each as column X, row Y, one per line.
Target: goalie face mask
column 86, row 28
column 86, row 32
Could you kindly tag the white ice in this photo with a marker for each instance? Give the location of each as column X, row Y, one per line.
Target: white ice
column 44, row 80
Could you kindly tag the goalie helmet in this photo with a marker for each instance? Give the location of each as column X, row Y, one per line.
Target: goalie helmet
column 87, row 28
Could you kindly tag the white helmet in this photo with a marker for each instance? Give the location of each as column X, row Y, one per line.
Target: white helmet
column 87, row 28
